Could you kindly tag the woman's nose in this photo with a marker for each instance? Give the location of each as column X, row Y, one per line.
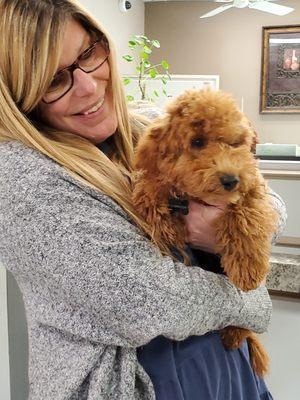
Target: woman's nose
column 84, row 84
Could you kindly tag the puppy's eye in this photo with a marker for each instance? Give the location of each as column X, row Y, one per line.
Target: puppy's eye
column 197, row 143
column 237, row 144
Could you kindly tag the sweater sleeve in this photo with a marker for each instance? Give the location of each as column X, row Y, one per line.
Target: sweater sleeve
column 280, row 207
column 83, row 259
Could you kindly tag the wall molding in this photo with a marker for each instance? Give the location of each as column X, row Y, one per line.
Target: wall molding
column 288, row 241
column 277, row 174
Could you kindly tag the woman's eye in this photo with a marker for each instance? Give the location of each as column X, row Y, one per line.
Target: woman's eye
column 87, row 54
column 57, row 81
column 198, row 143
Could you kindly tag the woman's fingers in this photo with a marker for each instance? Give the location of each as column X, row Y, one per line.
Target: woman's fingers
column 200, row 224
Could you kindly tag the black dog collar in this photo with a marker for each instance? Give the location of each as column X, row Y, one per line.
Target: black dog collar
column 179, row 205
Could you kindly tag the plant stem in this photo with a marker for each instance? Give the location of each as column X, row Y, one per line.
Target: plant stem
column 152, row 66
column 140, row 81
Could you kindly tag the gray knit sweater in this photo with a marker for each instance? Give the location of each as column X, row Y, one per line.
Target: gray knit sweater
column 95, row 289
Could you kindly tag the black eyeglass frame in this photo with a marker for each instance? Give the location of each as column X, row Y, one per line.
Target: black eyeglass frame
column 103, row 42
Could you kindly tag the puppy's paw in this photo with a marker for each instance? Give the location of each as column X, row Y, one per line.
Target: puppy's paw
column 243, row 273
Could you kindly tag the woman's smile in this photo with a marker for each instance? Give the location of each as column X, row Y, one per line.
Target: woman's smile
column 93, row 113
column 92, row 109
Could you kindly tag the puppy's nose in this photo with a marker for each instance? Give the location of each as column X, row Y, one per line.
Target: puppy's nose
column 229, row 182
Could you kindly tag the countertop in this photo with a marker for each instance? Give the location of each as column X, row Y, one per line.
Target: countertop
column 284, row 277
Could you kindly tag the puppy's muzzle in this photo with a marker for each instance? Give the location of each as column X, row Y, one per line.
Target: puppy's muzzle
column 229, row 182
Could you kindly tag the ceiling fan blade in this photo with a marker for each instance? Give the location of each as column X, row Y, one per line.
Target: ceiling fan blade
column 269, row 7
column 216, row 11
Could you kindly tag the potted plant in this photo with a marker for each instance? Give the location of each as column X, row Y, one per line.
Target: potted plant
column 141, row 47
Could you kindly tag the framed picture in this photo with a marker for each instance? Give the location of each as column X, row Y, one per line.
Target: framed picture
column 280, row 75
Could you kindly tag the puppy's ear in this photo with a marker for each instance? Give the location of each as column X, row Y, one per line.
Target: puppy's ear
column 252, row 135
column 148, row 151
column 255, row 141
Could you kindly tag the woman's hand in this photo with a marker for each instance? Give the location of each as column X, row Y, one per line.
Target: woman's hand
column 200, row 225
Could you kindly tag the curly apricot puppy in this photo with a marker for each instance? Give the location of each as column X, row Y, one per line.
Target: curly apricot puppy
column 201, row 150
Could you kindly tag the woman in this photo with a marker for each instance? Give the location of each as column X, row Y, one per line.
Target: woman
column 95, row 288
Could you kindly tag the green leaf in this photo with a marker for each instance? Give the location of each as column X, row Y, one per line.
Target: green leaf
column 132, row 43
column 165, row 92
column 163, row 79
column 126, row 81
column 156, row 93
column 147, row 64
column 147, row 50
column 164, row 64
column 137, row 39
column 156, row 43
column 129, row 98
column 128, row 58
column 142, row 37
column 144, row 56
column 152, row 73
column 138, row 69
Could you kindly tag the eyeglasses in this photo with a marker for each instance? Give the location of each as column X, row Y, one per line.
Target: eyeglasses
column 88, row 61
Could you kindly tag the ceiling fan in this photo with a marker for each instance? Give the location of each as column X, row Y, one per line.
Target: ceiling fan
column 261, row 5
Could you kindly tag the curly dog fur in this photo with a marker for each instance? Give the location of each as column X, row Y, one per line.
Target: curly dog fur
column 201, row 150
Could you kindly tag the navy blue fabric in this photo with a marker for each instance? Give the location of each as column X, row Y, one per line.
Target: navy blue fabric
column 200, row 368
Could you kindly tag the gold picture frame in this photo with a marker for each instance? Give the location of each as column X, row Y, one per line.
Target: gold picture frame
column 280, row 71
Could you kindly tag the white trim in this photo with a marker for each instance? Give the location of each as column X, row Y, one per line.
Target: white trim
column 279, row 165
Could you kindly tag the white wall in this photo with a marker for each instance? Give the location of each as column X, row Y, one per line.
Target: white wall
column 119, row 25
column 283, row 345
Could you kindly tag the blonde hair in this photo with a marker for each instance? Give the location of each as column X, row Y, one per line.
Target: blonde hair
column 28, row 62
